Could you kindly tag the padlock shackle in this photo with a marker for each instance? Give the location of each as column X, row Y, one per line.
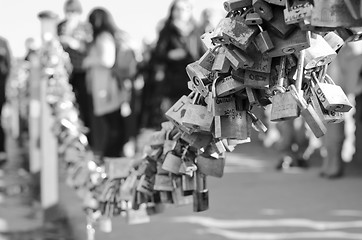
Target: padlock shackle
column 300, row 70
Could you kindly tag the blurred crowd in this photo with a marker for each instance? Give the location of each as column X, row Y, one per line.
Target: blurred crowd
column 118, row 99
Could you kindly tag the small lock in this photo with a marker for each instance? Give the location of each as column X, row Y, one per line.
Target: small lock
column 232, row 5
column 172, row 163
column 176, row 113
column 334, row 40
column 206, row 40
column 223, row 105
column 221, row 63
column 253, row 19
column 177, row 194
column 236, row 125
column 227, row 86
column 210, row 166
column 163, row 183
column 237, row 32
column 263, row 41
column 197, row 140
column 258, row 80
column 277, row 25
column 207, row 60
column 263, row 9
column 251, row 96
column 201, row 194
column 238, row 58
column 197, row 118
column 199, row 77
column 188, row 185
column 296, row 42
column 332, row 14
column 297, row 10
column 320, row 53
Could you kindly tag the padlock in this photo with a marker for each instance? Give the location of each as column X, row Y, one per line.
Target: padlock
column 258, row 80
column 145, row 185
column 333, row 13
column 238, row 58
column 232, row 5
column 277, row 25
column 309, row 114
column 262, row 63
column 163, row 183
column 177, row 194
column 238, row 74
column 210, row 166
column 334, row 40
column 330, row 95
column 117, row 167
column 354, row 8
column 207, row 60
column 197, row 118
column 227, row 86
column 206, row 40
column 221, row 63
column 199, row 77
column 237, row 32
column 297, row 10
column 197, row 140
column 257, row 123
column 172, row 163
column 223, row 105
column 320, row 53
column 296, row 42
column 263, row 96
column 253, row 18
column 263, row 41
column 263, row 9
column 176, row 113
column 157, row 138
column 284, row 106
column 251, row 96
column 276, row 2
column 201, row 194
column 188, row 185
column 326, row 116
column 235, row 126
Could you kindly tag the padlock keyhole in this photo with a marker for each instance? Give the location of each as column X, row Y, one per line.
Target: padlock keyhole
column 262, row 10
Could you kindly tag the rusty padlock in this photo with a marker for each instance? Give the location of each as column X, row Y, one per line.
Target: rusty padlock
column 263, row 41
column 297, row 10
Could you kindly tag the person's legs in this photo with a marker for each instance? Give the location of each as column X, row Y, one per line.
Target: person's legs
column 114, row 140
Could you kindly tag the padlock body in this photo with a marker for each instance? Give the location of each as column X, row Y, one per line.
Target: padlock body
column 284, row 107
column 201, row 200
column 228, row 86
column 172, row 163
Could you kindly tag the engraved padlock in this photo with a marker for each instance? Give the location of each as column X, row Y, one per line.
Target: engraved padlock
column 237, row 32
column 201, row 194
column 297, row 10
column 332, row 14
column 223, row 105
column 263, row 9
column 176, row 113
column 284, row 106
column 330, row 95
column 262, row 62
column 309, row 114
column 320, row 53
column 227, row 85
column 258, row 80
column 236, row 125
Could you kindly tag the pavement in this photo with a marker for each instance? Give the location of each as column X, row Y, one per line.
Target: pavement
column 252, row 201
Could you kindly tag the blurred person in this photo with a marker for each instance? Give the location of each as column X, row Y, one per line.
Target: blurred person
column 340, row 140
column 5, row 68
column 75, row 36
column 102, row 85
column 177, row 46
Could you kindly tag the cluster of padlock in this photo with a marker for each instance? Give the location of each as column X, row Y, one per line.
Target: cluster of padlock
column 264, row 52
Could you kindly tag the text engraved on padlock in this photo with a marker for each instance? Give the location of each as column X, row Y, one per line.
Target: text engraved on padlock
column 297, row 12
column 228, row 86
column 262, row 63
column 223, row 105
column 257, row 79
